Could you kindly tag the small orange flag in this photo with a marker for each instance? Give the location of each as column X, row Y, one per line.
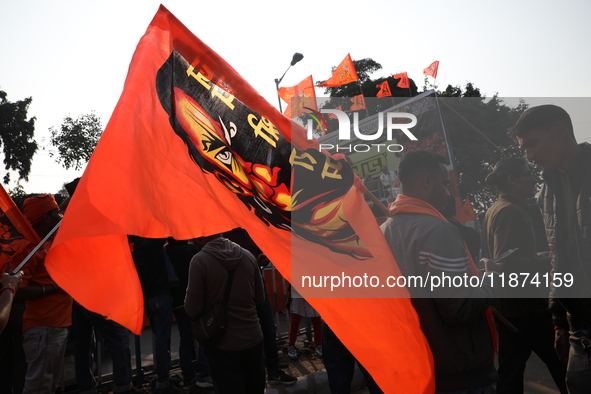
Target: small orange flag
column 384, row 90
column 304, row 96
column 358, row 103
column 333, row 116
column 404, row 82
column 344, row 74
column 431, row 71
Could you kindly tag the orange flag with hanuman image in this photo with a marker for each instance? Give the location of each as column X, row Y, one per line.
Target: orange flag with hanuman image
column 305, row 94
column 193, row 150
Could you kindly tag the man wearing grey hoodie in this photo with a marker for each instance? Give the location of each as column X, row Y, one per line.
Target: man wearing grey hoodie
column 236, row 362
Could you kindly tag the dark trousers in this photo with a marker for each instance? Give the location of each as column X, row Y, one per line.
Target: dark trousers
column 116, row 338
column 535, row 334
column 187, row 342
column 159, row 311
column 13, row 364
column 340, row 365
column 269, row 328
column 237, row 372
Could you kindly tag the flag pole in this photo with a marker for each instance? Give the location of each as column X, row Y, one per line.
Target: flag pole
column 39, row 245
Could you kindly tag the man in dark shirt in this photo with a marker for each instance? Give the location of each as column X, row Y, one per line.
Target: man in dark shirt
column 546, row 135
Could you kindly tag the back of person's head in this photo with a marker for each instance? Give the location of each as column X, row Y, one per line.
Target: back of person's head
column 499, row 176
column 541, row 117
column 416, row 164
column 36, row 207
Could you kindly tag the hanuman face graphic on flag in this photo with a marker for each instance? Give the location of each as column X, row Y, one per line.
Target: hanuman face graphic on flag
column 249, row 156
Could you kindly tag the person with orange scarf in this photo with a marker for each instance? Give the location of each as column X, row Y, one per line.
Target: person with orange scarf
column 454, row 319
column 48, row 313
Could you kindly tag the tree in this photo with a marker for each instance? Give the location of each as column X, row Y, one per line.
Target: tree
column 76, row 139
column 16, row 136
column 477, row 129
column 477, row 126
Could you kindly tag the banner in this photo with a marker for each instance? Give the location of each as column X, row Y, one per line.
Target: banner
column 192, row 150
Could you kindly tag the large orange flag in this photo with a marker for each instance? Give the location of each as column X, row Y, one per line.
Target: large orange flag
column 344, row 74
column 305, row 97
column 192, row 150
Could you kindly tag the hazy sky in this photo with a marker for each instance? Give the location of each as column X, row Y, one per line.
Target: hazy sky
column 72, row 56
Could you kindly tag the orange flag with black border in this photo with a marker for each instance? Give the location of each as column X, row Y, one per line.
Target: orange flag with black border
column 193, row 150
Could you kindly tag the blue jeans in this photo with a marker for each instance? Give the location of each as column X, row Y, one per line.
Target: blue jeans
column 340, row 365
column 117, row 339
column 187, row 343
column 159, row 312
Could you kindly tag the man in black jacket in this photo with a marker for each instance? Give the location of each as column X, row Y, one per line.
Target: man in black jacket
column 546, row 135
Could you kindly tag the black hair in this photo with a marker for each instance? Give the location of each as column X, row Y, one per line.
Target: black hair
column 501, row 172
column 415, row 164
column 541, row 117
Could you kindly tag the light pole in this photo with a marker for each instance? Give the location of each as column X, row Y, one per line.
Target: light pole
column 296, row 58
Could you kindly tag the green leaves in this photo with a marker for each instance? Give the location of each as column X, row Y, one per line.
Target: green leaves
column 16, row 136
column 76, row 139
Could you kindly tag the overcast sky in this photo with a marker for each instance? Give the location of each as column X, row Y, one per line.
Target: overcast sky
column 72, row 56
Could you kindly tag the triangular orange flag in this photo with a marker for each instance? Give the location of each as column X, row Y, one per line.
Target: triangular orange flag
column 344, row 74
column 358, row 103
column 432, row 69
column 333, row 116
column 182, row 156
column 404, row 82
column 384, row 90
column 303, row 95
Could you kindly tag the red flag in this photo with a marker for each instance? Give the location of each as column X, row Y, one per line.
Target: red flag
column 384, row 90
column 333, row 116
column 358, row 103
column 432, row 69
column 404, row 82
column 344, row 74
column 182, row 157
column 307, row 98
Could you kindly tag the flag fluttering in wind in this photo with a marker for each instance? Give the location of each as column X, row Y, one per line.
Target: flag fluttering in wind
column 193, row 150
column 404, row 81
column 384, row 90
column 17, row 236
column 358, row 103
column 305, row 94
column 344, row 74
column 432, row 69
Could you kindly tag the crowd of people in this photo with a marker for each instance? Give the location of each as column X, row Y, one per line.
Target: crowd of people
column 465, row 326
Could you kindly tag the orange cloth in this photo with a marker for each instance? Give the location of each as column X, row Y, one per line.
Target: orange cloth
column 36, row 207
column 54, row 310
column 240, row 147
